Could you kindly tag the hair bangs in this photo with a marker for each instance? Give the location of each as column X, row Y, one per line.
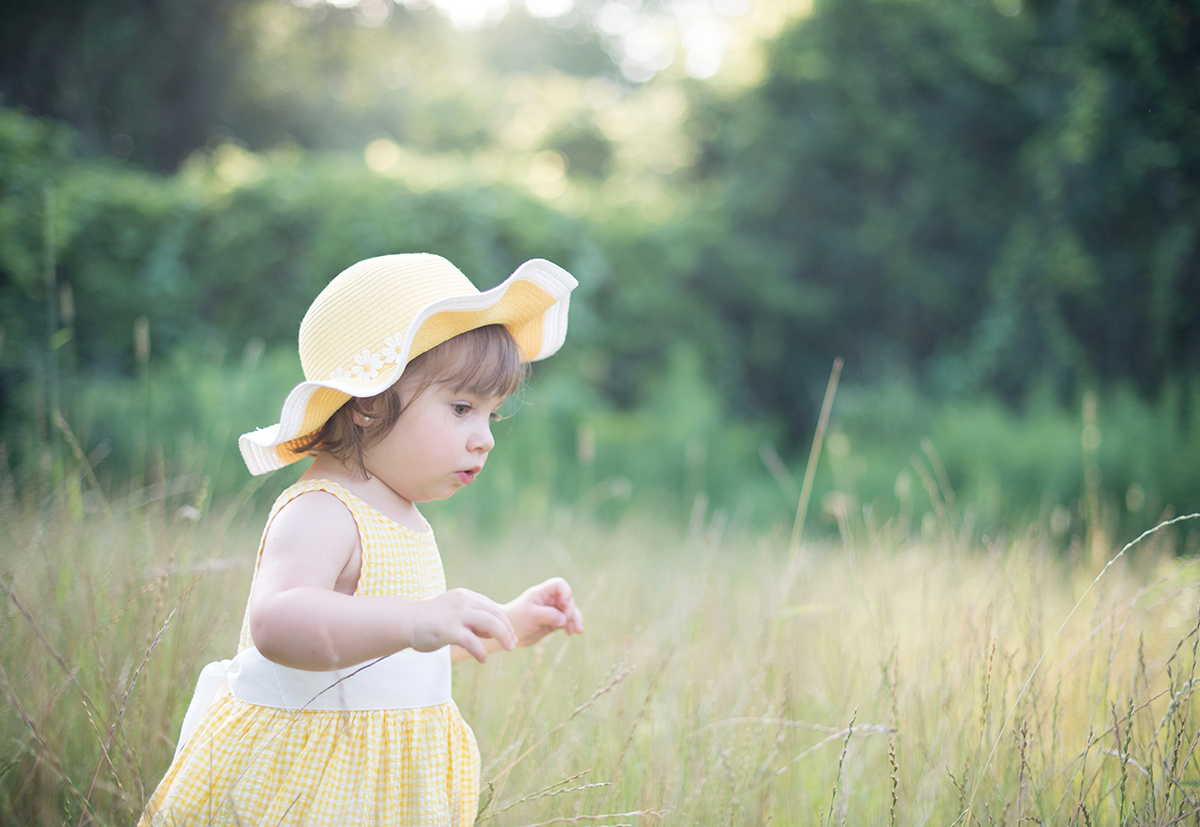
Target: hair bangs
column 485, row 361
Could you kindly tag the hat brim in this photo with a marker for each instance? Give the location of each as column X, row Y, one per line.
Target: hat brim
column 532, row 303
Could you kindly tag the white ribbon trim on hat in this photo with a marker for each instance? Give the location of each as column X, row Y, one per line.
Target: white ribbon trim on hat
column 258, row 447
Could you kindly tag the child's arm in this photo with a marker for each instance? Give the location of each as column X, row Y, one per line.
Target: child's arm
column 537, row 612
column 297, row 619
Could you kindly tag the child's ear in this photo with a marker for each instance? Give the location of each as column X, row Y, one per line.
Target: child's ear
column 363, row 412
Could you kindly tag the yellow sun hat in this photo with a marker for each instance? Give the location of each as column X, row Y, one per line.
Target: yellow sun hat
column 375, row 316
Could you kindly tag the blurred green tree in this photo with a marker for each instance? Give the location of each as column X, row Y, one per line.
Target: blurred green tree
column 146, row 80
column 976, row 198
column 150, row 82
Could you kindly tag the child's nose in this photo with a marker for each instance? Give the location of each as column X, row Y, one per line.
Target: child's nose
column 482, row 439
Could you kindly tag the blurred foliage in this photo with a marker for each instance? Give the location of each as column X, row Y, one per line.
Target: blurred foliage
column 200, row 257
column 970, row 201
column 140, row 79
column 978, row 200
column 151, row 82
column 892, row 457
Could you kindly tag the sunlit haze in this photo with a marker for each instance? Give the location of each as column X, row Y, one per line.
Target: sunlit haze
column 642, row 39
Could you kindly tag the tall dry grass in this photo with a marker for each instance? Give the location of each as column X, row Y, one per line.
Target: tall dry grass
column 900, row 680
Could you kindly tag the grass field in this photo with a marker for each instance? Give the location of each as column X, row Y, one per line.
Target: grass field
column 898, row 679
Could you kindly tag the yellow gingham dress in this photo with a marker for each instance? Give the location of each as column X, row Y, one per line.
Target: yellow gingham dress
column 252, row 765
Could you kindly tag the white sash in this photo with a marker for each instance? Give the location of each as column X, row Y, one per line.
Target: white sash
column 406, row 680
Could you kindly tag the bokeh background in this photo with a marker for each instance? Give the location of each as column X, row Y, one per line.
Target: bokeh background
column 989, row 208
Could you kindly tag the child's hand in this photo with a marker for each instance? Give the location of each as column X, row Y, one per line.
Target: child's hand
column 465, row 618
column 543, row 608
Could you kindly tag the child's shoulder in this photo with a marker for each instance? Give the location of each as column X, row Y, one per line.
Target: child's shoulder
column 316, row 514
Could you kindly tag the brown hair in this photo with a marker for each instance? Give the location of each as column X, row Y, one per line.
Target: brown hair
column 484, row 361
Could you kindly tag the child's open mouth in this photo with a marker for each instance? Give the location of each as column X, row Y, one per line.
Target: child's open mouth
column 465, row 477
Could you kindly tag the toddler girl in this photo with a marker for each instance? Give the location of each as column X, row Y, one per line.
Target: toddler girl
column 337, row 708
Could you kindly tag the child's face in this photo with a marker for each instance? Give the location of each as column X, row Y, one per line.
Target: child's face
column 437, row 446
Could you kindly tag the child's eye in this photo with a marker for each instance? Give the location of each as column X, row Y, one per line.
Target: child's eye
column 461, row 408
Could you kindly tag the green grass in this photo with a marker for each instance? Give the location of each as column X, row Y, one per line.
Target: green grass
column 906, row 677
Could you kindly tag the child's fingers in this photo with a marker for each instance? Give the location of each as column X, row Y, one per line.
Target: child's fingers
column 548, row 617
column 562, row 590
column 572, row 616
column 555, row 592
column 466, row 618
column 494, row 623
column 574, row 620
column 473, row 645
column 481, row 625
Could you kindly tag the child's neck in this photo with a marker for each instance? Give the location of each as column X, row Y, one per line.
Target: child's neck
column 370, row 489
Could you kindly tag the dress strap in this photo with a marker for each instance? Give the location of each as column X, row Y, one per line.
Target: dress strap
column 357, row 507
